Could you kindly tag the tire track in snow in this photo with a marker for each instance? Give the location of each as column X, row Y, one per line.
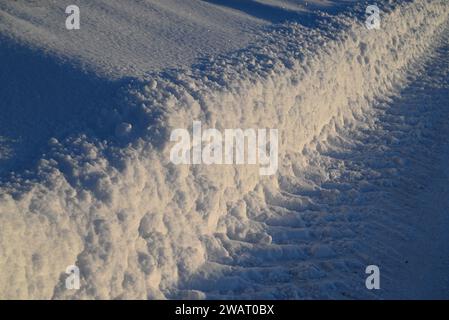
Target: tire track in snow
column 379, row 196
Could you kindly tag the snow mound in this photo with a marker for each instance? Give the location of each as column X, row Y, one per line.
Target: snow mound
column 141, row 227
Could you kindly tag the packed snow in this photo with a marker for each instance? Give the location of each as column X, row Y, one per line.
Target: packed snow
column 86, row 177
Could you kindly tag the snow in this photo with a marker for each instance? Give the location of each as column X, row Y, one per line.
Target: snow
column 362, row 151
column 122, row 39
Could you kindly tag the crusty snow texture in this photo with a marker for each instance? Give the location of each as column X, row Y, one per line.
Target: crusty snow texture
column 141, row 227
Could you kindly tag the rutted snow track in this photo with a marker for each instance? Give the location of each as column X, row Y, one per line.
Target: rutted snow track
column 377, row 194
column 353, row 153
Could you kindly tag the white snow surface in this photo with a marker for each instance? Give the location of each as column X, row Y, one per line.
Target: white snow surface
column 362, row 177
column 126, row 38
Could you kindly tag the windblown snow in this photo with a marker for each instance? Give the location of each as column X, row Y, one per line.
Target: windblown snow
column 363, row 151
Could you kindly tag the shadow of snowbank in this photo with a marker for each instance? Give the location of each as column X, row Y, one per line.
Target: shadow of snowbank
column 43, row 98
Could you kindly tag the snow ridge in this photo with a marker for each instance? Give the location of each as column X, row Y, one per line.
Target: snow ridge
column 141, row 227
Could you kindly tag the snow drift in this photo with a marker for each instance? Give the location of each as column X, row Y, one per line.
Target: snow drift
column 141, row 227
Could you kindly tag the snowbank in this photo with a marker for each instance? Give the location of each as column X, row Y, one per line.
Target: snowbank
column 139, row 226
